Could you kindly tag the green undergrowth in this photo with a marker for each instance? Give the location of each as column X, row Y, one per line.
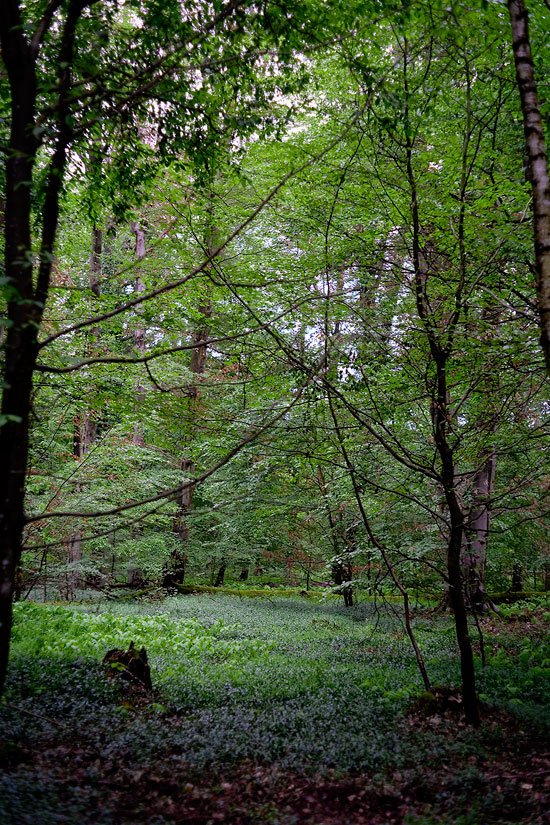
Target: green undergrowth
column 303, row 684
column 250, row 592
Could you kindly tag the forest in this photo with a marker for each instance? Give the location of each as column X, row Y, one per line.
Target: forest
column 274, row 350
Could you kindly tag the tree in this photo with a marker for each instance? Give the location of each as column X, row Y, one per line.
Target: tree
column 537, row 162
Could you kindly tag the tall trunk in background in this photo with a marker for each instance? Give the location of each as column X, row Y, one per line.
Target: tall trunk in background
column 139, row 332
column 517, row 577
column 85, row 426
column 220, row 575
column 478, row 522
column 537, row 163
column 199, row 353
column 341, row 567
column 474, row 559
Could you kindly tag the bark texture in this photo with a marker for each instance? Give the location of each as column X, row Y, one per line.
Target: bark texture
column 29, row 282
column 537, row 163
column 139, row 332
column 475, row 558
column 199, row 354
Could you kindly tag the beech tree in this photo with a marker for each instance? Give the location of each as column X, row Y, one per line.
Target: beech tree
column 537, row 162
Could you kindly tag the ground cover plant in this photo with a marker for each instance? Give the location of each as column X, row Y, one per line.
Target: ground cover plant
column 269, row 710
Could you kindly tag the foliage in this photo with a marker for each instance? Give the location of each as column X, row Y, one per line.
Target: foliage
column 288, row 683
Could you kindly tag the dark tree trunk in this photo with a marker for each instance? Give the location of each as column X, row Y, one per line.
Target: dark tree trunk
column 342, row 573
column 455, row 543
column 21, row 336
column 220, row 576
column 27, row 301
column 178, row 556
column 426, row 262
column 537, row 162
column 243, row 575
column 517, row 577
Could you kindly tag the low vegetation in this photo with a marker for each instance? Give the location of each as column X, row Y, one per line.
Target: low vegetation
column 269, row 710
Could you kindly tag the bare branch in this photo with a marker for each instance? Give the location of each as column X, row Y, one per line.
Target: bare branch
column 44, row 25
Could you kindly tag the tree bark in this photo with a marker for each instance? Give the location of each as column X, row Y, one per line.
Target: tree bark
column 85, row 427
column 199, row 355
column 537, row 163
column 21, row 336
column 474, row 560
column 139, row 332
column 425, row 262
column 517, row 577
column 26, row 301
column 456, row 538
column 220, row 576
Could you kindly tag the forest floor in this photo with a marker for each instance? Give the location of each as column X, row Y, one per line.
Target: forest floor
column 270, row 711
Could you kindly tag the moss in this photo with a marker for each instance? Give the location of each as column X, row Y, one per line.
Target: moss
column 253, row 593
column 512, row 596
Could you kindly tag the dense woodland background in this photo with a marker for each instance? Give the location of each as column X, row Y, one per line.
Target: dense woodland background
column 303, row 358
column 273, row 302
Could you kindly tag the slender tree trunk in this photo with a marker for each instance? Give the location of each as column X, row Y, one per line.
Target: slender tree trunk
column 139, row 332
column 517, row 577
column 458, row 606
column 426, row 262
column 474, row 560
column 455, row 543
column 85, row 427
column 199, row 355
column 220, row 576
column 537, row 162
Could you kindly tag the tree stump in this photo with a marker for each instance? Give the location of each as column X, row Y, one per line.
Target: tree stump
column 129, row 665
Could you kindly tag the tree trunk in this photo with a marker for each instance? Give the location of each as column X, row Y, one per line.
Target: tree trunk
column 85, row 427
column 178, row 556
column 517, row 577
column 220, row 576
column 537, row 163
column 475, row 558
column 24, row 314
column 197, row 366
column 27, row 301
column 455, row 543
column 426, row 261
column 139, row 332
